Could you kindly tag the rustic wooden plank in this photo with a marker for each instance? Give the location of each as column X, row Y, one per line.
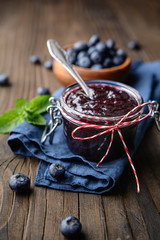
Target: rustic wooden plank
column 141, row 22
column 143, row 209
column 116, row 218
column 5, row 153
column 133, row 210
column 135, row 217
column 150, row 213
column 92, row 216
column 9, row 198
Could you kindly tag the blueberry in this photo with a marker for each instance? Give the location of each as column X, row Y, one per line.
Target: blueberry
column 43, row 91
column 19, row 183
column 107, row 62
column 134, row 45
column 4, row 79
column 35, row 59
column 93, row 40
column 101, row 47
column 112, row 52
column 71, row 51
column 121, row 53
column 48, row 64
column 84, row 62
column 70, row 227
column 110, row 43
column 72, row 59
column 96, row 57
column 80, row 46
column 81, row 54
column 96, row 66
column 117, row 60
column 57, row 170
column 91, row 50
column 72, row 55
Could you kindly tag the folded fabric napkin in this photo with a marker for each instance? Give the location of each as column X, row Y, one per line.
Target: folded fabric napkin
column 82, row 175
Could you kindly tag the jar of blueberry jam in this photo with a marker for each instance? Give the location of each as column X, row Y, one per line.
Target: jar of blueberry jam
column 112, row 100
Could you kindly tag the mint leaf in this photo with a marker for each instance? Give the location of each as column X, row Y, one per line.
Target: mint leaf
column 22, row 103
column 40, row 103
column 25, row 110
column 35, row 118
column 10, row 119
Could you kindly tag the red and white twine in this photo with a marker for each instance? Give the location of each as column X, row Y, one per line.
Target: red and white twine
column 124, row 121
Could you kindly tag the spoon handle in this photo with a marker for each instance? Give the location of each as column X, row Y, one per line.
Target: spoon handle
column 60, row 55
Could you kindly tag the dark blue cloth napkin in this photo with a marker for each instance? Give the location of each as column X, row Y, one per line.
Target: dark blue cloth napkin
column 82, row 175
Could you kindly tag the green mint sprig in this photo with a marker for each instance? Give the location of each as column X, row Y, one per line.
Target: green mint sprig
column 25, row 110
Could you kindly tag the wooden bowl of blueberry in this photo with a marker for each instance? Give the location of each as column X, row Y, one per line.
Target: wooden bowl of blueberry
column 94, row 60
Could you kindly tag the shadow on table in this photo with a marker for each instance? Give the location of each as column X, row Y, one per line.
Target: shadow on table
column 122, row 183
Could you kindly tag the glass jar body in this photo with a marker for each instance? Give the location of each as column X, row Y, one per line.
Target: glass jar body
column 93, row 149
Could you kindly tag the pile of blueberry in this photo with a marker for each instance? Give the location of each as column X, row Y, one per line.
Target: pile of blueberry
column 96, row 54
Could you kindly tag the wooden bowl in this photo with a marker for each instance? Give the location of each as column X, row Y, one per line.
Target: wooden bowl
column 118, row 73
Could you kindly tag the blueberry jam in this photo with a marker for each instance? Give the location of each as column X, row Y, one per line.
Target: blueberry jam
column 112, row 100
column 109, row 101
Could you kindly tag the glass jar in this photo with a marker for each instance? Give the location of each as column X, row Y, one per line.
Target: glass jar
column 93, row 149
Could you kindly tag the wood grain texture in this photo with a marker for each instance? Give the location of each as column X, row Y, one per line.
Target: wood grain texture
column 24, row 28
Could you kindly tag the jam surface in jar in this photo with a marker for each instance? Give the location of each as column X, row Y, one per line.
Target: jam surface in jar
column 109, row 101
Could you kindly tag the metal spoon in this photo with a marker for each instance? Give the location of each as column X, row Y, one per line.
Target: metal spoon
column 60, row 55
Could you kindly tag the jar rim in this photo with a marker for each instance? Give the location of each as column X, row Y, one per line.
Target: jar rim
column 124, row 86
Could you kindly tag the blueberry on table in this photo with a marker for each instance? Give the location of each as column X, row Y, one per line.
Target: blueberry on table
column 35, row 59
column 19, row 183
column 110, row 43
column 93, row 40
column 4, row 79
column 48, row 64
column 134, row 45
column 70, row 227
column 96, row 57
column 57, row 170
column 80, row 46
column 43, row 91
column 96, row 66
column 84, row 62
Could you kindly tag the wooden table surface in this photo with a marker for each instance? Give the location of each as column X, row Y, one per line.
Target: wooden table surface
column 24, row 28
